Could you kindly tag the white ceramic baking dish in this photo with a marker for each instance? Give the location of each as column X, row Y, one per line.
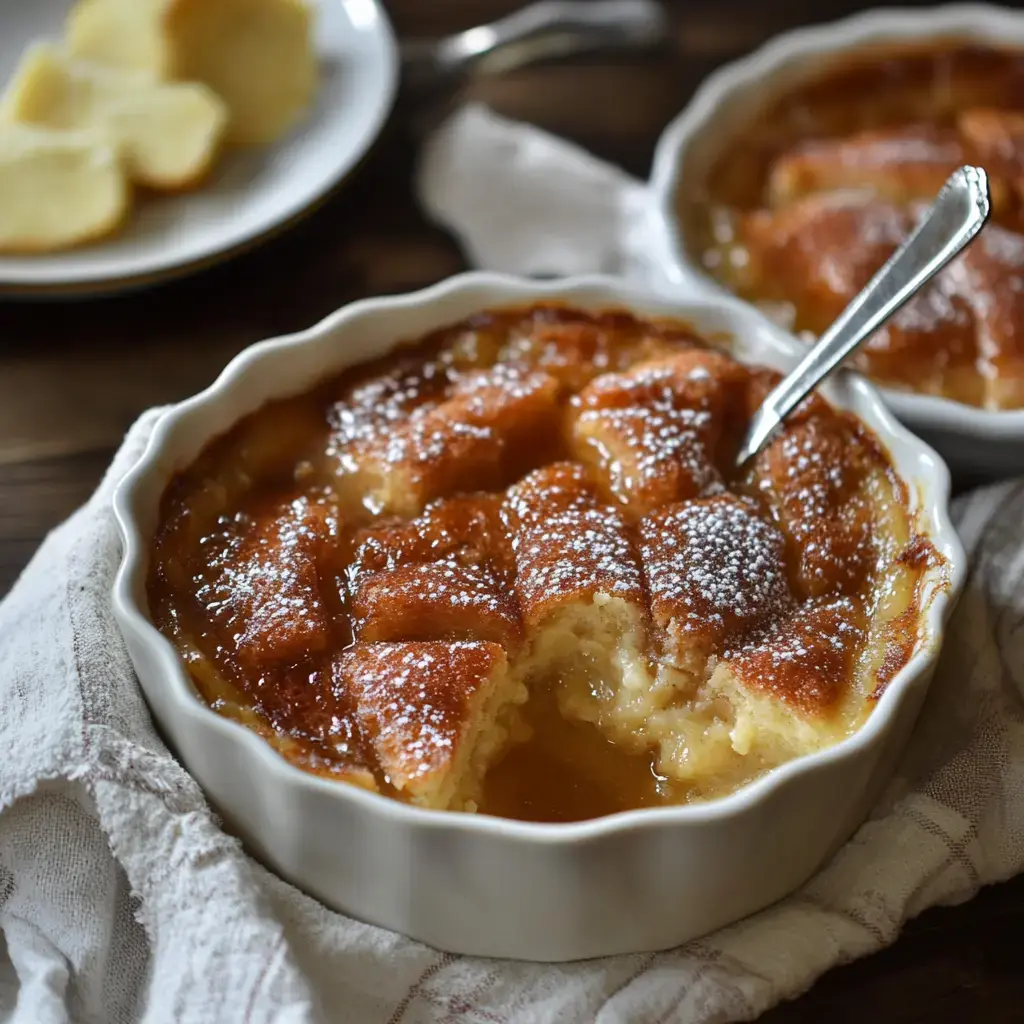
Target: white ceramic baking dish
column 475, row 884
column 974, row 441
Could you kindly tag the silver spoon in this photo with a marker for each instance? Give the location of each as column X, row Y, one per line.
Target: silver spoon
column 950, row 224
column 539, row 31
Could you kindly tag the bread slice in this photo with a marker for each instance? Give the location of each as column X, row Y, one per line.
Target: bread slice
column 57, row 188
column 257, row 55
column 579, row 585
column 437, row 714
column 168, row 134
column 489, row 423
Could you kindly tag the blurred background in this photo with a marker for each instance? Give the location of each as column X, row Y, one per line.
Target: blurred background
column 73, row 376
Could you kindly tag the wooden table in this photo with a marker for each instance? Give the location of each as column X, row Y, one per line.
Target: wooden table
column 74, row 376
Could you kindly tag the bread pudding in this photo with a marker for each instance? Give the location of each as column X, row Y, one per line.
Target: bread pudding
column 510, row 568
column 798, row 212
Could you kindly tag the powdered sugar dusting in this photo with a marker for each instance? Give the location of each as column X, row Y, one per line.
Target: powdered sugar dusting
column 713, row 565
column 933, row 309
column 434, row 601
column 652, row 430
column 466, row 529
column 261, row 583
column 477, row 411
column 652, row 455
column 385, row 400
column 805, row 661
column 414, row 699
column 875, row 229
column 566, row 545
column 811, row 477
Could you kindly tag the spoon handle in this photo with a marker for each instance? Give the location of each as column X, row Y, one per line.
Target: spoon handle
column 952, row 221
column 543, row 30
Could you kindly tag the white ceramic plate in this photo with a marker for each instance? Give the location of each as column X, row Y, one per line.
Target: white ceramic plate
column 250, row 192
column 471, row 883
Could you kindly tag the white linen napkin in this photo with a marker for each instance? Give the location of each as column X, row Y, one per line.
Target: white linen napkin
column 121, row 899
column 523, row 201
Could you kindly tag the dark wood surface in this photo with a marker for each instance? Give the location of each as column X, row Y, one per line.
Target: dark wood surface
column 73, row 376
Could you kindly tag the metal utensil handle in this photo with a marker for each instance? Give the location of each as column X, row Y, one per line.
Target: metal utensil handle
column 956, row 216
column 554, row 28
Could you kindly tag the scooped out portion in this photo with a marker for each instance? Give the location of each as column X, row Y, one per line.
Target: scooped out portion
column 509, row 568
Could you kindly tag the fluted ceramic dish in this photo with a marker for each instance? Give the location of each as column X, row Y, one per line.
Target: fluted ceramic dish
column 974, row 441
column 641, row 880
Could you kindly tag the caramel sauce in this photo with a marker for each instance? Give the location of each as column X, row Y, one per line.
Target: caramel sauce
column 356, row 573
column 568, row 771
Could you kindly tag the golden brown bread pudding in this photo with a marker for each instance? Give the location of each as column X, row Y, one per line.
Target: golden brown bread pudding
column 798, row 213
column 509, row 567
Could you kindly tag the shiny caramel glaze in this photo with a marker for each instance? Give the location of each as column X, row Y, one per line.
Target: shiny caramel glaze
column 802, row 208
column 438, row 574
